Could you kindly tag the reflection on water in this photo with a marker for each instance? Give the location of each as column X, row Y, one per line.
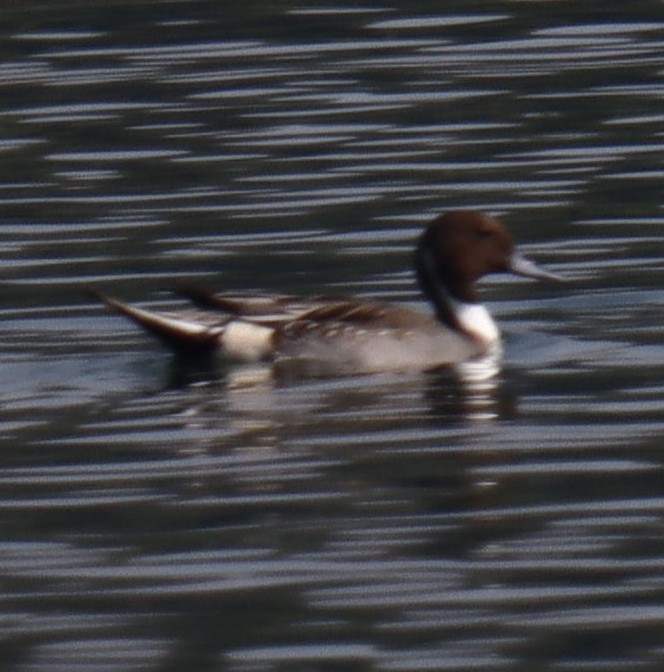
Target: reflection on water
column 164, row 515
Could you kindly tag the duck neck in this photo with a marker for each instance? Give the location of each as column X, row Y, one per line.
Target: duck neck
column 468, row 317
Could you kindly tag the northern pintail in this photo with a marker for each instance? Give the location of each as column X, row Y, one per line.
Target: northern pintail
column 354, row 335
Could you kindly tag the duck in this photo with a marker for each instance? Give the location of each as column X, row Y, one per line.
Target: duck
column 354, row 335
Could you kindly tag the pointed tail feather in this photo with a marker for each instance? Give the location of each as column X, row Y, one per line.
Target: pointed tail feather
column 178, row 332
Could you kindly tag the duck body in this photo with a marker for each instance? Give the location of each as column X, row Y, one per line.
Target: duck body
column 341, row 336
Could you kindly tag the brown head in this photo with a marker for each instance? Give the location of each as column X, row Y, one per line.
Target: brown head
column 460, row 247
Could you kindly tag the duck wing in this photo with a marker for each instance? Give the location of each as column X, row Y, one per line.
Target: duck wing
column 283, row 309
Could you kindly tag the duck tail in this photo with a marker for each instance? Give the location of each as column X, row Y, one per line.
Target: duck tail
column 180, row 332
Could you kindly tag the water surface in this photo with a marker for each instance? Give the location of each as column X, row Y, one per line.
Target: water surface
column 163, row 516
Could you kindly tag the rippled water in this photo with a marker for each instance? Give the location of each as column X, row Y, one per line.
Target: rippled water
column 158, row 515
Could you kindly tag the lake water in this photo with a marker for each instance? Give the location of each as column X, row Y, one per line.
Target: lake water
column 161, row 516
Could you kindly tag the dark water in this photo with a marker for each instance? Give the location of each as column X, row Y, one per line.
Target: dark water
column 161, row 516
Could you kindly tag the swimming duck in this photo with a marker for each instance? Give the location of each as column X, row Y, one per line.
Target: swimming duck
column 355, row 335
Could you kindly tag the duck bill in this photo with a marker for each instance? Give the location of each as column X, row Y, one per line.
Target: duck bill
column 522, row 266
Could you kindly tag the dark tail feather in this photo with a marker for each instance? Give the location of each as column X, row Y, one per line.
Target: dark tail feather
column 177, row 332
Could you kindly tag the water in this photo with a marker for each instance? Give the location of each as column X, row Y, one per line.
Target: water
column 163, row 516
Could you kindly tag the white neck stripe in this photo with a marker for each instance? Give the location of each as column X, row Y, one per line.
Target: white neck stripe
column 476, row 320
